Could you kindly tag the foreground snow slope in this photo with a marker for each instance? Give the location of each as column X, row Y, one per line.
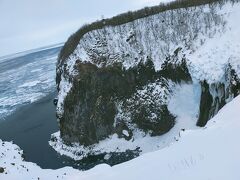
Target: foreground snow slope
column 208, row 153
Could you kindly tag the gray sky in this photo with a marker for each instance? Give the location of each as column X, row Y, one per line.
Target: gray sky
column 29, row 24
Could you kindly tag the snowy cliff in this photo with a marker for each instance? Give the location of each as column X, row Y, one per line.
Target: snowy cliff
column 119, row 83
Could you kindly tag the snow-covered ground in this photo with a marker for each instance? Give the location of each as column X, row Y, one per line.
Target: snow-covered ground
column 207, row 153
column 17, row 169
column 26, row 77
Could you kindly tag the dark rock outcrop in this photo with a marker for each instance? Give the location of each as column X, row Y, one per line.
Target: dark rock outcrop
column 1, row 170
column 214, row 96
column 205, row 104
column 90, row 107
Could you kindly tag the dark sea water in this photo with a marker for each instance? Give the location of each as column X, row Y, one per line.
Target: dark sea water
column 31, row 126
column 27, row 113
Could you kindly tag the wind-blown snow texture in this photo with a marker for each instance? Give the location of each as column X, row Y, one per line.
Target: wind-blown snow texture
column 207, row 153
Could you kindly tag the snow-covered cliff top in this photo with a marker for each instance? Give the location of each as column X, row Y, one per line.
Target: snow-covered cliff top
column 208, row 36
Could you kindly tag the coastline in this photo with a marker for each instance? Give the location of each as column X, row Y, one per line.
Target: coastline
column 30, row 127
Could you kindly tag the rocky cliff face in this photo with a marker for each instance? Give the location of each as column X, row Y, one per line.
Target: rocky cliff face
column 92, row 105
column 215, row 95
column 121, row 78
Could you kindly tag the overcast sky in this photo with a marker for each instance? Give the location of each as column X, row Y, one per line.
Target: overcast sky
column 29, row 24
